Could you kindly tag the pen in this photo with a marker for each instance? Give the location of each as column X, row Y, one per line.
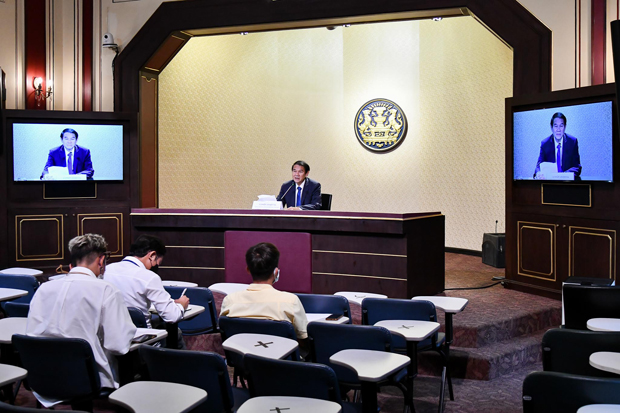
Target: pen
column 183, row 293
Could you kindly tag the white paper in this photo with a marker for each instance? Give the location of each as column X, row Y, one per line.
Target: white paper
column 549, row 171
column 266, row 197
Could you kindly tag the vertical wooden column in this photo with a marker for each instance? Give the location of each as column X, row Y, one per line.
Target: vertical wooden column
column 148, row 139
column 35, row 49
column 87, row 55
column 598, row 41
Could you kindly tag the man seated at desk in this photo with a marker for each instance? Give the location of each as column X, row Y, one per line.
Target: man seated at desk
column 136, row 277
column 81, row 305
column 261, row 300
column 300, row 193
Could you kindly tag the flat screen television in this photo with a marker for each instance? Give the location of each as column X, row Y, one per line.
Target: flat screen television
column 585, row 135
column 67, row 151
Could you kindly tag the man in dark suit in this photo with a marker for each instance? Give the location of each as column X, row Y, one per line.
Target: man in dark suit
column 559, row 146
column 300, row 193
column 75, row 158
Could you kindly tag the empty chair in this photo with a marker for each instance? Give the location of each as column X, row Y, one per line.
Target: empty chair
column 230, row 326
column 20, row 282
column 326, row 202
column 551, row 392
column 568, row 351
column 203, row 323
column 16, row 309
column 137, row 317
column 329, row 339
column 61, row 369
column 200, row 369
column 329, row 304
column 269, row 377
column 583, row 302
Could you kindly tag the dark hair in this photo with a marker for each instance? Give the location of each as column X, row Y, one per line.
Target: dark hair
column 69, row 130
column 145, row 244
column 558, row 115
column 87, row 248
column 303, row 165
column 262, row 259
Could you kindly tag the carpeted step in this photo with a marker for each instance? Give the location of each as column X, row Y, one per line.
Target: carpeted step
column 488, row 362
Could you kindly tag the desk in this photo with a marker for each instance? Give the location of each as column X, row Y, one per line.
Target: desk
column 600, row 408
column 172, row 283
column 413, row 331
column 358, row 297
column 451, row 306
column 321, row 318
column 606, row 361
column 21, row 271
column 348, row 248
column 10, row 326
column 8, row 375
column 173, row 328
column 286, row 404
column 604, row 324
column 7, row 294
column 228, row 288
column 371, row 367
column 159, row 335
column 263, row 345
column 158, row 397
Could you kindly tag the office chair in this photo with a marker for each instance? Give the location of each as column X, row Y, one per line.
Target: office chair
column 583, row 302
column 326, row 202
column 204, row 323
column 137, row 317
column 21, row 282
column 329, row 304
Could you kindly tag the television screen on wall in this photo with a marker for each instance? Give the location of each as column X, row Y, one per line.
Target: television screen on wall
column 564, row 143
column 67, row 152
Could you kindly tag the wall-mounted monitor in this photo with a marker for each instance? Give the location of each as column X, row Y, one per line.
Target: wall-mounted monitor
column 564, row 142
column 67, row 151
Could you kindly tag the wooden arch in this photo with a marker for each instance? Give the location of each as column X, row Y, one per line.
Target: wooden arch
column 174, row 23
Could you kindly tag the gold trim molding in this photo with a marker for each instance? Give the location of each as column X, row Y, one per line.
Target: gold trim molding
column 552, row 253
column 359, row 276
column 119, row 227
column 58, row 218
column 612, row 247
column 360, row 253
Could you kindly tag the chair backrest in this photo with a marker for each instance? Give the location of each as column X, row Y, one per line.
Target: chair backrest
column 550, row 392
column 583, row 302
column 269, row 377
column 322, row 303
column 328, row 339
column 379, row 309
column 16, row 309
column 203, row 323
column 59, row 368
column 229, row 326
column 326, row 202
column 137, row 317
column 8, row 408
column 568, row 351
column 200, row 369
column 21, row 282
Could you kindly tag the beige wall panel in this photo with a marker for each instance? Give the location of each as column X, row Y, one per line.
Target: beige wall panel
column 257, row 103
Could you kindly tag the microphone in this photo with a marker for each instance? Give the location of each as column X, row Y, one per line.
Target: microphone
column 286, row 192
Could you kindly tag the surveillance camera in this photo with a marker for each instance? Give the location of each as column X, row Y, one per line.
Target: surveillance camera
column 107, row 39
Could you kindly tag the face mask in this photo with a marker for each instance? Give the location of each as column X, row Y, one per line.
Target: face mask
column 155, row 267
column 101, row 270
column 277, row 277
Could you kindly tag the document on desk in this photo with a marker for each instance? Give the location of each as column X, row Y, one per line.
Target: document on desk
column 549, row 170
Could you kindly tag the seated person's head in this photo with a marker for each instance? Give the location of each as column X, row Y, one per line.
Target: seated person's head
column 262, row 260
column 150, row 250
column 88, row 250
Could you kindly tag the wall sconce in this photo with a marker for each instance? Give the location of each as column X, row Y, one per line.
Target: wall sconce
column 39, row 94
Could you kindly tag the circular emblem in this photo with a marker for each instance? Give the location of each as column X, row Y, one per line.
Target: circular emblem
column 380, row 125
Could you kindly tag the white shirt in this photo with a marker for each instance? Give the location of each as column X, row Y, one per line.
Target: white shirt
column 141, row 288
column 82, row 306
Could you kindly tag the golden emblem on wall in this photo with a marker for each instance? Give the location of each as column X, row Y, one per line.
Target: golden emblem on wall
column 380, row 125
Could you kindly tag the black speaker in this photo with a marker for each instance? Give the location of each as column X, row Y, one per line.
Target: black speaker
column 494, row 249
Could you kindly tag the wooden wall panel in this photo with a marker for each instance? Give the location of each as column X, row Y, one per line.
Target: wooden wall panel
column 39, row 237
column 110, row 225
column 148, row 140
column 536, row 250
column 592, row 252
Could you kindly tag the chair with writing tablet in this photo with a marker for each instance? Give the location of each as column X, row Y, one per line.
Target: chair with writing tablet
column 21, row 282
column 8, row 408
column 16, row 309
column 328, row 304
column 204, row 323
column 200, row 369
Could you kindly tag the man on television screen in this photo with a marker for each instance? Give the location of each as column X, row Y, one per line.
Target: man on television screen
column 559, row 148
column 69, row 155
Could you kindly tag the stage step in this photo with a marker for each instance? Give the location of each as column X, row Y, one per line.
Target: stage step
column 488, row 362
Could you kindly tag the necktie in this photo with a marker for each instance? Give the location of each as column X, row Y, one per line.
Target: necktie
column 70, row 163
column 558, row 161
column 298, row 203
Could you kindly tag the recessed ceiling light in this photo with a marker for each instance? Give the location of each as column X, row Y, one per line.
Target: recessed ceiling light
column 437, row 19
